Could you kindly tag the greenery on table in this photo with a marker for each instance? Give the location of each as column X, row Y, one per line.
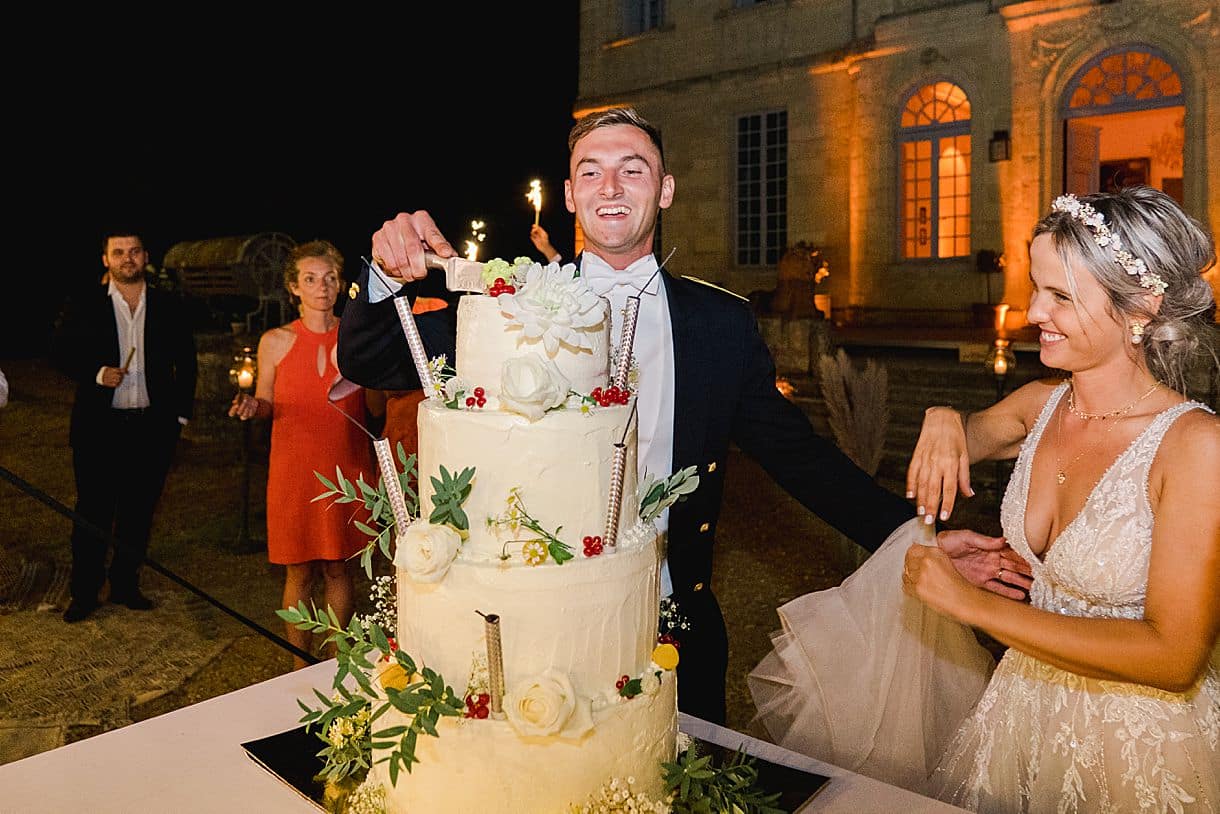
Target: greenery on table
column 424, row 699
column 698, row 786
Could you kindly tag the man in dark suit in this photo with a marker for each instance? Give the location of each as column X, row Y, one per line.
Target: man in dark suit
column 706, row 379
column 130, row 350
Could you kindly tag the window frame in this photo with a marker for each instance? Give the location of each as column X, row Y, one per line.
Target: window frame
column 767, row 255
column 633, row 12
column 935, row 133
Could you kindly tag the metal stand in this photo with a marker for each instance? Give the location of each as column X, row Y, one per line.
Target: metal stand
column 245, row 543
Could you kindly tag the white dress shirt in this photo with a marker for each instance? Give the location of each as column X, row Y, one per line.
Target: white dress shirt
column 132, row 392
column 653, row 350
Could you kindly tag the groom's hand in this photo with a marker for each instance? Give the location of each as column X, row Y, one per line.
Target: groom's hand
column 987, row 562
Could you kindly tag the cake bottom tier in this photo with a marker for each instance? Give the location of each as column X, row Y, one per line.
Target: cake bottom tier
column 484, row 765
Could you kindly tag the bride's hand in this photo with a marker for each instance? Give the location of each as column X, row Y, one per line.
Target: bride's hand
column 987, row 562
column 940, row 465
column 928, row 575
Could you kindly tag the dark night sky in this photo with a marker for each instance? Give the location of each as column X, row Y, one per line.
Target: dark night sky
column 232, row 127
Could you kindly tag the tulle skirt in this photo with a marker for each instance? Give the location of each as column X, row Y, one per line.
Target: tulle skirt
column 866, row 678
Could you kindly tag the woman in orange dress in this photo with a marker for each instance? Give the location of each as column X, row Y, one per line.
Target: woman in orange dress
column 296, row 367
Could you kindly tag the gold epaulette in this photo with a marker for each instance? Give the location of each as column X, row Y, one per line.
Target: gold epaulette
column 713, row 285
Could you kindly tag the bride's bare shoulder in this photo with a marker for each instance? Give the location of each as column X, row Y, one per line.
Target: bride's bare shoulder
column 1028, row 400
column 1196, row 433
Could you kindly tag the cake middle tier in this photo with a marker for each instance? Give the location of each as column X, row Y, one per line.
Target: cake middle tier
column 559, row 467
column 594, row 619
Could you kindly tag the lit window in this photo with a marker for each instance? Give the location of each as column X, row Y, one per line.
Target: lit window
column 762, row 188
column 1130, row 78
column 934, row 167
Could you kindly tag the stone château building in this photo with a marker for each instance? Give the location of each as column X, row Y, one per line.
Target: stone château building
column 909, row 139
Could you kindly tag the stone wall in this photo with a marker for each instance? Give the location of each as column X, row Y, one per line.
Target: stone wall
column 843, row 83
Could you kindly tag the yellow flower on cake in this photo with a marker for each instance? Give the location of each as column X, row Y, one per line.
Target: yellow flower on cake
column 426, row 550
column 547, row 705
column 534, row 552
column 531, row 385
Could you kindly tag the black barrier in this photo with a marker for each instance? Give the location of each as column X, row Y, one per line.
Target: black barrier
column 55, row 505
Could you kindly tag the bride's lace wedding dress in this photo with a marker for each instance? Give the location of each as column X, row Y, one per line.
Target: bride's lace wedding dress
column 869, row 679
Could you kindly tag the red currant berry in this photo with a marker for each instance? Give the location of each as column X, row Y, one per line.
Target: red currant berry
column 479, row 392
column 470, row 401
column 480, row 401
column 484, row 699
column 481, row 713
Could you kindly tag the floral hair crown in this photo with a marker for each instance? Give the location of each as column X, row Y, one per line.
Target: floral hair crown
column 1103, row 237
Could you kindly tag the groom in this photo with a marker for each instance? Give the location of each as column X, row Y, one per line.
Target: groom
column 706, row 380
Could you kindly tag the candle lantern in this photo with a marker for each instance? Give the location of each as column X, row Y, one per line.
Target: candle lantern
column 1001, row 362
column 243, row 371
column 242, row 374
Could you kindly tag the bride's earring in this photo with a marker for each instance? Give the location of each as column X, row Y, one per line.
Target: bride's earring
column 1137, row 332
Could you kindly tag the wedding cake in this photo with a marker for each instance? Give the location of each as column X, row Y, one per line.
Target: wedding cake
column 509, row 585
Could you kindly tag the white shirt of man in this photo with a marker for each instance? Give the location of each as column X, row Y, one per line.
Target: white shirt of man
column 132, row 392
column 653, row 350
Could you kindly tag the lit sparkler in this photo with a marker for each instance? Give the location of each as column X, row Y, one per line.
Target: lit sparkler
column 534, row 196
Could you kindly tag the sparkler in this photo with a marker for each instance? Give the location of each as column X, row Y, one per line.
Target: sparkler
column 534, row 196
column 477, row 236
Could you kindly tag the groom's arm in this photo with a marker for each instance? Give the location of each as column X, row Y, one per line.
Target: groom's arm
column 372, row 349
column 777, row 434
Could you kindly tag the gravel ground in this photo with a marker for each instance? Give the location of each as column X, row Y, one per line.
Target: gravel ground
column 770, row 549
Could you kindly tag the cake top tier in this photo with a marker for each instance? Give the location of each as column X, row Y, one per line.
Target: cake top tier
column 536, row 322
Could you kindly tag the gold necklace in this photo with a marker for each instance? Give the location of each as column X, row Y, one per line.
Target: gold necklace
column 1103, row 416
column 1061, row 471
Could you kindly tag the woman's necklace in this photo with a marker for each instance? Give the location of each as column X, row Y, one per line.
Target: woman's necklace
column 1061, row 471
column 1103, row 416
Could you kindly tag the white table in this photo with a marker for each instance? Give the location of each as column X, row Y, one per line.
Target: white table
column 191, row 760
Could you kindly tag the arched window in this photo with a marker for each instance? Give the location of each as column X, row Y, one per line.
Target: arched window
column 1129, row 78
column 934, row 162
column 1124, row 123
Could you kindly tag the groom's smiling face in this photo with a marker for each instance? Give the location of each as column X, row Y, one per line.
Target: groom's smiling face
column 616, row 187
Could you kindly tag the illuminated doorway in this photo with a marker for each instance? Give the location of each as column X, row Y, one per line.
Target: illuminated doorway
column 1124, row 120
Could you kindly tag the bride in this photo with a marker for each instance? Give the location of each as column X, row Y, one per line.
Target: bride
column 1108, row 696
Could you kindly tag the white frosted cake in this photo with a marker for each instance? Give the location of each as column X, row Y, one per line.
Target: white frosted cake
column 585, row 702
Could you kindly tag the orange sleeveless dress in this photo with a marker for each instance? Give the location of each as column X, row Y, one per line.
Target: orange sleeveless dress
column 308, row 435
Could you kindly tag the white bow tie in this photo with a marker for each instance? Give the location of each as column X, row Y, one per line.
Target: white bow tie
column 603, row 280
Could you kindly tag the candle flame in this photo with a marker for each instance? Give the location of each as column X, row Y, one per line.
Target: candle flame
column 472, row 250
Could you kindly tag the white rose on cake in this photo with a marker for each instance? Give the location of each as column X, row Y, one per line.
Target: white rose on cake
column 555, row 307
column 425, row 550
column 547, row 705
column 531, row 385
